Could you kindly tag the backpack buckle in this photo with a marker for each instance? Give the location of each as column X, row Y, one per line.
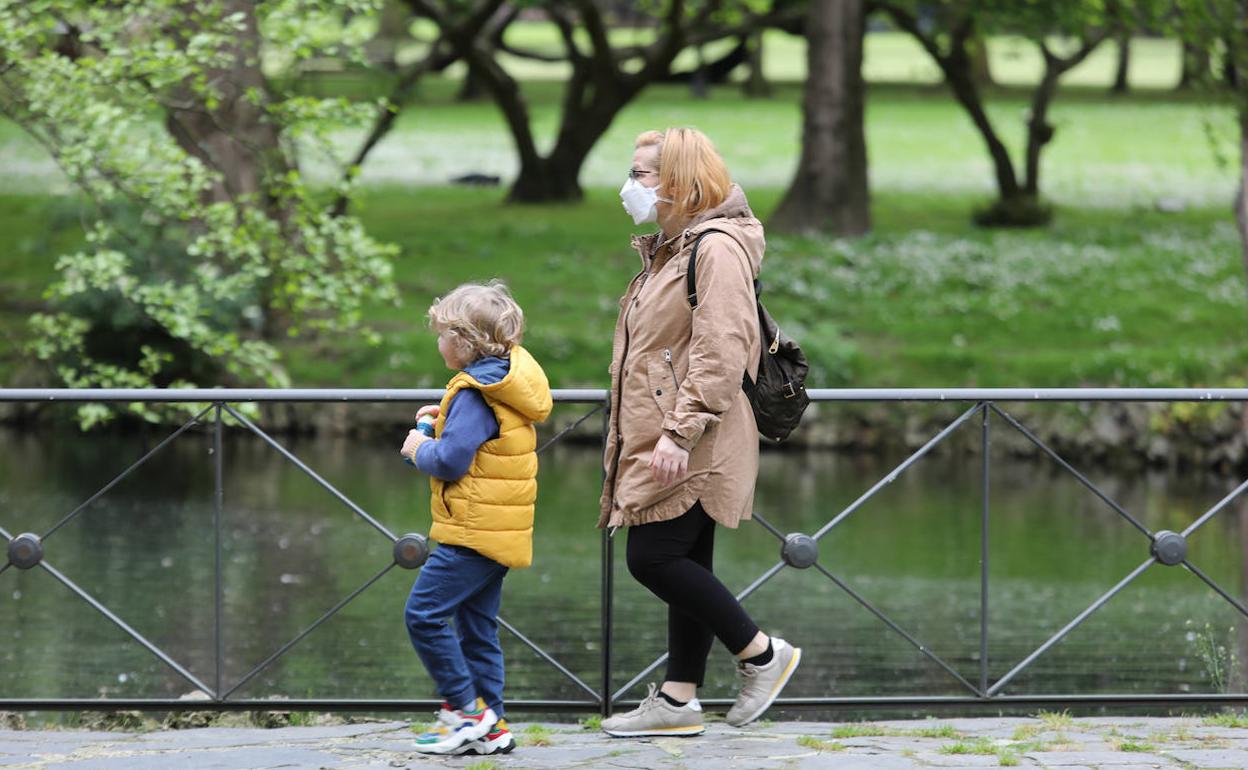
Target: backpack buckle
column 788, row 390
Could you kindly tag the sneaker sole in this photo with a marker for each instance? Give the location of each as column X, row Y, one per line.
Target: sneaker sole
column 657, row 731
column 775, row 691
column 473, row 748
column 452, row 745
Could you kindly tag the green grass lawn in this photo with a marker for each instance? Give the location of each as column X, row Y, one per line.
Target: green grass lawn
column 1102, row 298
column 1107, row 153
column 1115, row 292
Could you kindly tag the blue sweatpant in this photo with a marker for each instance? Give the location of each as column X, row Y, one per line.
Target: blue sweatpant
column 460, row 585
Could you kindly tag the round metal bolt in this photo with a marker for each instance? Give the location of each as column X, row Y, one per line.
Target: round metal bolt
column 25, row 550
column 411, row 550
column 1170, row 548
column 799, row 550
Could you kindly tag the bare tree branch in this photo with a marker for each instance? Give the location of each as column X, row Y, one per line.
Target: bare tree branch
column 388, row 113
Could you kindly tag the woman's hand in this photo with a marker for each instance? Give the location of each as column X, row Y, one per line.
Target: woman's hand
column 668, row 462
column 413, row 441
column 431, row 409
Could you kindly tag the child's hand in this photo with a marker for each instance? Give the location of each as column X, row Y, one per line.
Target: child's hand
column 430, row 409
column 413, row 441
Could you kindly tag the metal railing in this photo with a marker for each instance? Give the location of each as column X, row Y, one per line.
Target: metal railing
column 800, row 551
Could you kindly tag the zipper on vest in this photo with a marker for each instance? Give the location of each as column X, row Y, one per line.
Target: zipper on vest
column 667, row 356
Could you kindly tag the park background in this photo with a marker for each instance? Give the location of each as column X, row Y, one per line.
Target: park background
column 126, row 263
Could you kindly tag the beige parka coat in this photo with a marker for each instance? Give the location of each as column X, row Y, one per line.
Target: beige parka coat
column 677, row 371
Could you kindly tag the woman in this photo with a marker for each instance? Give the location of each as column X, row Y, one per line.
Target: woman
column 682, row 448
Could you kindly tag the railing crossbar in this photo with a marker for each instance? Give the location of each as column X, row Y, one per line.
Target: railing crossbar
column 742, row 596
column 555, row 438
column 1236, row 603
column 1082, row 479
column 120, row 477
column 152, row 648
column 1200, row 522
column 897, row 629
column 300, row 636
column 527, row 642
column 312, row 474
column 758, row 517
column 1096, row 605
column 896, row 472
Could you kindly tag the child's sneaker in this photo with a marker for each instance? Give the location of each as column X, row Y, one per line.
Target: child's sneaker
column 496, row 741
column 456, row 727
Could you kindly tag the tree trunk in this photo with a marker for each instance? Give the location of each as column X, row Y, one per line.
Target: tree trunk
column 234, row 138
column 699, row 84
column 1124, row 64
column 237, row 139
column 962, row 83
column 1195, row 65
column 595, row 93
column 829, row 192
column 556, row 177
column 981, row 67
column 548, row 180
column 1039, row 129
column 1241, row 200
column 1229, row 72
column 756, row 85
column 471, row 89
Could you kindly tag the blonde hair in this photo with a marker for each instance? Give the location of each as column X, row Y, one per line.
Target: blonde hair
column 480, row 319
column 692, row 175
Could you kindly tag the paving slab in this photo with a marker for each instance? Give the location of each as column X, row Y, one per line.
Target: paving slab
column 1059, row 743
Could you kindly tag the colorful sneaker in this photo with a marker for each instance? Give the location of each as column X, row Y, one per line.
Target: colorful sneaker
column 496, row 741
column 656, row 716
column 761, row 684
column 454, row 728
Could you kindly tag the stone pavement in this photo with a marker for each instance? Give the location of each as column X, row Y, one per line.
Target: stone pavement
column 1048, row 740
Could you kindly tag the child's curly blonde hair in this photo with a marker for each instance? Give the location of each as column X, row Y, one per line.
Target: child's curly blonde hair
column 480, row 319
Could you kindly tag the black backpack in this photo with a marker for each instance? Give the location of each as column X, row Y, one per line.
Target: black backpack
column 778, row 396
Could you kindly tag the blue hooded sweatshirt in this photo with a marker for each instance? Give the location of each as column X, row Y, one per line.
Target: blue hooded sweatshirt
column 469, row 423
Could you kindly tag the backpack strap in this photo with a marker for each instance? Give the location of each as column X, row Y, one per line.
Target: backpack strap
column 691, row 289
column 691, row 282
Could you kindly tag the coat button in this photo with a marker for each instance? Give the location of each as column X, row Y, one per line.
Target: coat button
column 658, row 392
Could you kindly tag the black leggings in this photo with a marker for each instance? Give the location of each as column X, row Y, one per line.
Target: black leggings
column 673, row 559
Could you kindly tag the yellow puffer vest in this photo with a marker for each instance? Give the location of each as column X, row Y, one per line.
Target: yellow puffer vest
column 490, row 509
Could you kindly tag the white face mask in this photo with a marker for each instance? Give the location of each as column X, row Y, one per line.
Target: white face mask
column 640, row 202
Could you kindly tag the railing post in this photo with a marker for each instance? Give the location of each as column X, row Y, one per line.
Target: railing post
column 608, row 583
column 983, row 562
column 218, row 501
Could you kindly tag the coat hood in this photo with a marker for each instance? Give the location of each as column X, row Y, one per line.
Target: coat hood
column 524, row 387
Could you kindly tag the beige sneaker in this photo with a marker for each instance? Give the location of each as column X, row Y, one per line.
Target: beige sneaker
column 761, row 684
column 656, row 716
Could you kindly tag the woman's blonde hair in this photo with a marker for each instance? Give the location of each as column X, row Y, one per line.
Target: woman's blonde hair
column 692, row 175
column 480, row 319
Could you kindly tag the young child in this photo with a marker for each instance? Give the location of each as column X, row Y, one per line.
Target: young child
column 482, row 465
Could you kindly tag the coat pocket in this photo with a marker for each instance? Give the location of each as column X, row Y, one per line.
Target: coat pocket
column 661, row 376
